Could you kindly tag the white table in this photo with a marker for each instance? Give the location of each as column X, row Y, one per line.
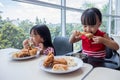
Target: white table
column 101, row 73
column 29, row 69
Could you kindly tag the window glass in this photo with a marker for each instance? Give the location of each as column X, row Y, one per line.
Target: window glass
column 73, row 23
column 115, row 26
column 17, row 19
column 83, row 4
column 28, row 11
column 80, row 3
column 52, row 1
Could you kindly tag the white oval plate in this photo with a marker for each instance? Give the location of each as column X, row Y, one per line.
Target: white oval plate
column 24, row 58
column 70, row 69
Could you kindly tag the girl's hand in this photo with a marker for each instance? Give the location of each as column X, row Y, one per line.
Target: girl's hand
column 97, row 39
column 40, row 46
column 26, row 43
column 75, row 37
column 76, row 34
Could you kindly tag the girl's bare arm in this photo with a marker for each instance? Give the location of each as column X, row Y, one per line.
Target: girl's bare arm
column 110, row 43
column 107, row 41
column 75, row 37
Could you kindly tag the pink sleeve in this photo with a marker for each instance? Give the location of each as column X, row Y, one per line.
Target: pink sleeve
column 49, row 49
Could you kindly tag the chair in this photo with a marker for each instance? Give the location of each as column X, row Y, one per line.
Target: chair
column 62, row 45
column 112, row 59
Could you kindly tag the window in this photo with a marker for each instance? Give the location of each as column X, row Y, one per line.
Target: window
column 18, row 16
column 17, row 19
column 52, row 1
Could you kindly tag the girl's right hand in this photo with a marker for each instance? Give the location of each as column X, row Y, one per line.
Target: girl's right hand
column 26, row 43
column 76, row 34
column 75, row 37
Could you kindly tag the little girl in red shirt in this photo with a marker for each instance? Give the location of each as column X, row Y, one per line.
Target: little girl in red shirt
column 94, row 47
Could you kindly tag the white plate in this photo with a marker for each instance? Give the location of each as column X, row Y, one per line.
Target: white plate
column 78, row 61
column 24, row 58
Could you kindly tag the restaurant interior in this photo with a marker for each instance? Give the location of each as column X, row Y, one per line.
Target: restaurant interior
column 62, row 17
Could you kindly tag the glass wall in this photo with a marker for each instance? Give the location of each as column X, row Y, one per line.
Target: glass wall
column 83, row 4
column 18, row 16
column 52, row 1
column 16, row 20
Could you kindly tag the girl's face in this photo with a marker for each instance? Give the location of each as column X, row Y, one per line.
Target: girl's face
column 92, row 28
column 36, row 38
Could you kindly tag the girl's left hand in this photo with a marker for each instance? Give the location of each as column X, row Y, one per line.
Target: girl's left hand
column 40, row 46
column 97, row 39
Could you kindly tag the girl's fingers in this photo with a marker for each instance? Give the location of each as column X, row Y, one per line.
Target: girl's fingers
column 41, row 45
column 94, row 43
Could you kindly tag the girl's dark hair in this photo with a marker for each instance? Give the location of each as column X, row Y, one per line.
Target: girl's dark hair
column 44, row 32
column 89, row 16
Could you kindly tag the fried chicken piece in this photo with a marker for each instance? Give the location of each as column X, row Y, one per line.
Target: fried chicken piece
column 60, row 67
column 24, row 51
column 59, row 61
column 33, row 51
column 23, row 54
column 49, row 60
column 15, row 55
column 88, row 35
